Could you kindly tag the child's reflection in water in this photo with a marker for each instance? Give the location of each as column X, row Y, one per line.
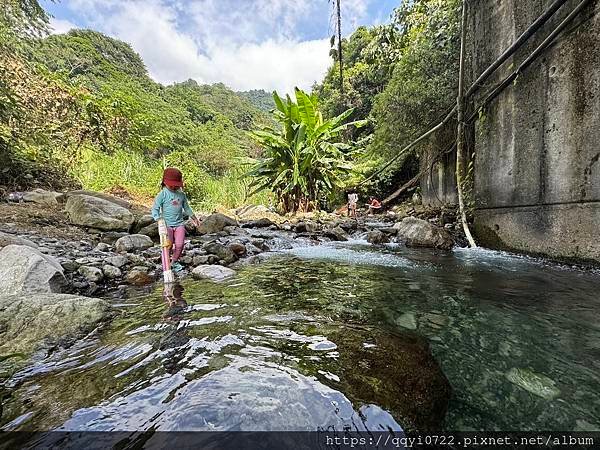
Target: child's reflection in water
column 176, row 305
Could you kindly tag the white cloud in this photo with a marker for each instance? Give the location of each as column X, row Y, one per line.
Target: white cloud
column 246, row 44
column 59, row 26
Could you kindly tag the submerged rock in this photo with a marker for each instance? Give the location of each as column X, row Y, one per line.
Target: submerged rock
column 420, row 233
column 539, row 385
column 89, row 211
column 35, row 321
column 138, row 276
column 24, row 269
column 394, row 371
column 213, row 272
column 407, row 320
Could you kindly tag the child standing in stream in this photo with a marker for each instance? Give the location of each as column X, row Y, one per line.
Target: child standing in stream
column 172, row 205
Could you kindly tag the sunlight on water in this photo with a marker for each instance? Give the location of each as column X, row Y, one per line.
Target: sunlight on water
column 318, row 336
column 352, row 252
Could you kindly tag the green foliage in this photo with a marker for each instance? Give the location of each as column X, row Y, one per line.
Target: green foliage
column 424, row 80
column 260, row 99
column 402, row 76
column 306, row 160
column 84, row 102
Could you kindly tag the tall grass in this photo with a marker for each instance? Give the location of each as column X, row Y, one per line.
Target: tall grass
column 140, row 176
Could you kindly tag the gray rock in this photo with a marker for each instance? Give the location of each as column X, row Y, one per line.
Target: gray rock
column 69, row 265
column 102, row 247
column 150, row 230
column 91, row 273
column 199, row 260
column 98, row 213
column 214, row 273
column 42, row 197
column 111, row 237
column 101, row 195
column 143, row 221
column 260, row 223
column 260, row 243
column 117, row 261
column 186, row 259
column 252, row 249
column 377, row 237
column 420, row 233
column 133, row 242
column 89, row 261
column 137, row 259
column 23, row 270
column 222, row 252
column 336, row 234
column 306, row 227
column 33, row 321
column 111, row 272
column 11, row 239
column 215, row 223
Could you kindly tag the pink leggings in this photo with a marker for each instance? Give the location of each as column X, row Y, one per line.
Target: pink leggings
column 177, row 236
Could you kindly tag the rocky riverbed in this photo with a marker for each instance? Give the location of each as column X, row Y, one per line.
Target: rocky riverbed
column 68, row 255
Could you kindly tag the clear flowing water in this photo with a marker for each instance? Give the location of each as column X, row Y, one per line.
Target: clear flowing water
column 286, row 345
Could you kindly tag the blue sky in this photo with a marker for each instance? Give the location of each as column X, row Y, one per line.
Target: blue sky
column 247, row 44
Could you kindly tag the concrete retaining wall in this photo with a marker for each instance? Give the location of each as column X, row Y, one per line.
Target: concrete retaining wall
column 537, row 170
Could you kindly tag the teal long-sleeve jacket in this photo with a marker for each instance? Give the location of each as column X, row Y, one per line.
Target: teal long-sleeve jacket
column 173, row 206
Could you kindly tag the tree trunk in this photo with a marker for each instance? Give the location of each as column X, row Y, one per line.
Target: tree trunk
column 460, row 138
column 340, row 55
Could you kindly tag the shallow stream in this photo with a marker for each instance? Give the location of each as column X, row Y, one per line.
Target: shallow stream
column 275, row 347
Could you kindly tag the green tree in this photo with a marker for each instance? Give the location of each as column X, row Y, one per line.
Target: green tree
column 305, row 160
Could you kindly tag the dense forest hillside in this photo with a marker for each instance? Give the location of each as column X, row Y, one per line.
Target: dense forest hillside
column 132, row 125
column 402, row 76
column 260, row 98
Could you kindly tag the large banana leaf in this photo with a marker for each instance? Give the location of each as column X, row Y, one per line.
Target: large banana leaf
column 307, row 158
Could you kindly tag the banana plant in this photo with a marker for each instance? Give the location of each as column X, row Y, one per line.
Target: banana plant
column 306, row 159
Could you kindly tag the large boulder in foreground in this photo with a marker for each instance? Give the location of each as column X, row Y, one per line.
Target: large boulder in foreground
column 31, row 322
column 214, row 273
column 408, row 382
column 420, row 233
column 99, row 213
column 215, row 223
column 23, row 269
